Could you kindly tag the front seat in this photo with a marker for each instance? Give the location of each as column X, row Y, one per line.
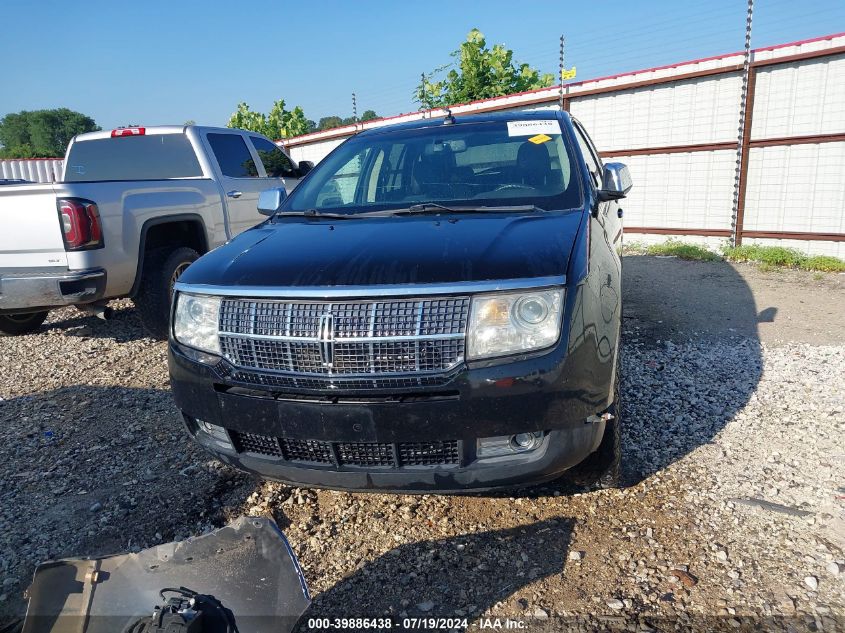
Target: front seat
column 534, row 165
column 433, row 174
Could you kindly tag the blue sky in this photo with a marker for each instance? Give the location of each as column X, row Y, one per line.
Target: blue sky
column 156, row 62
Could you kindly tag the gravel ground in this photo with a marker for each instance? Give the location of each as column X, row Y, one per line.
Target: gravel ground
column 733, row 514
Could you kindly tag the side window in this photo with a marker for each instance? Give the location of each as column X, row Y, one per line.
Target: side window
column 276, row 163
column 590, row 157
column 232, row 155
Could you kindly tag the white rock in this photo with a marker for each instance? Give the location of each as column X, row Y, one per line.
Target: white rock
column 615, row 604
column 812, row 582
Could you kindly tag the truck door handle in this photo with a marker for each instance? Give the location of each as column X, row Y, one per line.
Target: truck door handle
column 619, row 213
column 234, row 193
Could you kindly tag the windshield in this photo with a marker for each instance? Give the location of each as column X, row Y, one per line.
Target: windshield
column 496, row 163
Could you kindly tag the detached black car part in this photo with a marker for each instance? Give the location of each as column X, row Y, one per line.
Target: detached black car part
column 186, row 611
column 242, row 578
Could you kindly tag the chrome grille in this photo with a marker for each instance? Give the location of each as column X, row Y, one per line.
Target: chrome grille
column 344, row 339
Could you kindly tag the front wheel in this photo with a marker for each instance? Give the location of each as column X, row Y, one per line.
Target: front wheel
column 162, row 268
column 17, row 324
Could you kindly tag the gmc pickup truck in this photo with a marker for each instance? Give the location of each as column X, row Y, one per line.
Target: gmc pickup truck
column 134, row 208
column 436, row 307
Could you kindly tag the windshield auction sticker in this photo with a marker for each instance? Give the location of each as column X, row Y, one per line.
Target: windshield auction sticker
column 532, row 128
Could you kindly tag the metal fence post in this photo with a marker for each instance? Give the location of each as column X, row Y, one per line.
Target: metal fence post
column 746, row 110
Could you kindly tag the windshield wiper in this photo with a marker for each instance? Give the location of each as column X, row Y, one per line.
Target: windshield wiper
column 434, row 208
column 314, row 213
column 427, row 208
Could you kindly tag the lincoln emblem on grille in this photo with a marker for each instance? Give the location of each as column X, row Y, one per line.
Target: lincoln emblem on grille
column 325, row 336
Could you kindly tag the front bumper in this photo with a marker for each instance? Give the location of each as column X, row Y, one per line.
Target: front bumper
column 31, row 289
column 557, row 393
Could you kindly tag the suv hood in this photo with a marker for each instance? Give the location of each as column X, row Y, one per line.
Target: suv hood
column 303, row 252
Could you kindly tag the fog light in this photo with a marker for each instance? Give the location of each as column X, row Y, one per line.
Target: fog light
column 508, row 444
column 217, row 433
column 525, row 441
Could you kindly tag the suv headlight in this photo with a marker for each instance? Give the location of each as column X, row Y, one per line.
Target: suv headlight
column 509, row 323
column 195, row 321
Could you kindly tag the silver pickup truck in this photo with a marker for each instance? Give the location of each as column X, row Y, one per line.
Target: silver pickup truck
column 134, row 208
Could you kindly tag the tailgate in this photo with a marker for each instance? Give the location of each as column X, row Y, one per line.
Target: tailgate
column 30, row 234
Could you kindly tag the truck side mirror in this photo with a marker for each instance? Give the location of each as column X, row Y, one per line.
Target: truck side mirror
column 617, row 182
column 305, row 166
column 270, row 200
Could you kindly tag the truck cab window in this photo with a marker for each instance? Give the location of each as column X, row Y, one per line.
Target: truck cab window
column 232, row 155
column 276, row 162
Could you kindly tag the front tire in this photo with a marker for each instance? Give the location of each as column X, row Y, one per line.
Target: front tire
column 17, row 324
column 162, row 267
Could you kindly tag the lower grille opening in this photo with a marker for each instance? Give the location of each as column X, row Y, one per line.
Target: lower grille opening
column 429, row 453
column 365, row 454
column 258, row 444
column 307, row 451
column 383, row 454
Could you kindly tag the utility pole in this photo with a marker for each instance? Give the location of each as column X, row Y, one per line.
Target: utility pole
column 560, row 72
column 354, row 109
column 744, row 115
column 422, row 93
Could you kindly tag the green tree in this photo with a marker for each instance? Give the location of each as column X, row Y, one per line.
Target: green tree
column 328, row 122
column 245, row 119
column 278, row 123
column 369, row 115
column 41, row 133
column 286, row 123
column 481, row 73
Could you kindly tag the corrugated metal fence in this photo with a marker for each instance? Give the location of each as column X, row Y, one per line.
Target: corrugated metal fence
column 35, row 170
column 676, row 127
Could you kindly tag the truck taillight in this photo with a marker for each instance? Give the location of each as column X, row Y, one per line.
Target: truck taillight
column 129, row 131
column 81, row 226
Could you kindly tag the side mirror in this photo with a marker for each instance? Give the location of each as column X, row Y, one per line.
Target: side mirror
column 617, row 182
column 305, row 166
column 270, row 200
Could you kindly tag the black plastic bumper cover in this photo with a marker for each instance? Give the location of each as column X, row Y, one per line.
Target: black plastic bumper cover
column 554, row 391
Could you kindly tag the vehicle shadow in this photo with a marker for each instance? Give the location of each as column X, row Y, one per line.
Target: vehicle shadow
column 440, row 576
column 123, row 326
column 692, row 357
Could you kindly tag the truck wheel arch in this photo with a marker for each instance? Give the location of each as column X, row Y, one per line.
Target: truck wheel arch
column 189, row 230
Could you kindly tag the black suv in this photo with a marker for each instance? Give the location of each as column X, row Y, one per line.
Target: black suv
column 436, row 307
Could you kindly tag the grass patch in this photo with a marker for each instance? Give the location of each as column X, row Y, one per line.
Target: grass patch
column 771, row 255
column 767, row 258
column 683, row 251
column 824, row 263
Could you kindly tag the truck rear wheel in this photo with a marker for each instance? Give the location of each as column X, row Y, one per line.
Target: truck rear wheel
column 17, row 324
column 162, row 267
